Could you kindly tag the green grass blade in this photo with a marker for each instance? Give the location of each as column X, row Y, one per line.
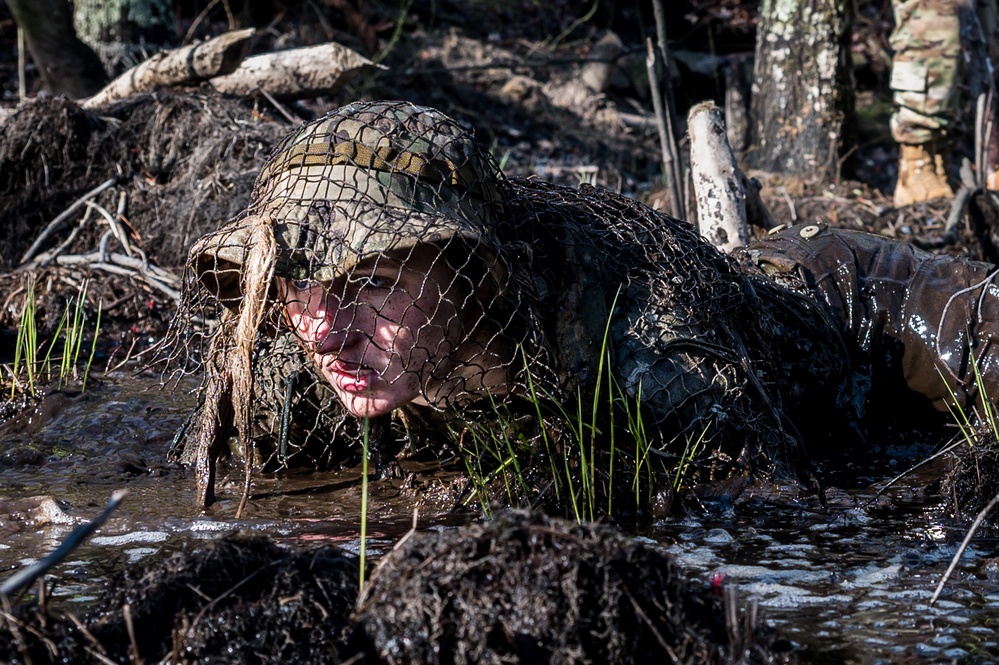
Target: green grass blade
column 93, row 346
column 364, row 499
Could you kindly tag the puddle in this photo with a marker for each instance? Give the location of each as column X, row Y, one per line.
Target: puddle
column 844, row 584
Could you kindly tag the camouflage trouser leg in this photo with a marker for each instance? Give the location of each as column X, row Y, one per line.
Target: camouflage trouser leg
column 925, row 69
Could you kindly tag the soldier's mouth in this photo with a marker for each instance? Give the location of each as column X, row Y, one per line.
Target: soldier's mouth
column 351, row 377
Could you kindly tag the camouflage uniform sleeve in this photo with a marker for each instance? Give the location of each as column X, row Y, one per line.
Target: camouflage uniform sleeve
column 930, row 317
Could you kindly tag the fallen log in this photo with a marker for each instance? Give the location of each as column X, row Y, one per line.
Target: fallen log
column 184, row 66
column 718, row 187
column 296, row 73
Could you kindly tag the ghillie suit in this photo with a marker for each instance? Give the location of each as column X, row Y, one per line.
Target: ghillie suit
column 928, row 319
column 548, row 321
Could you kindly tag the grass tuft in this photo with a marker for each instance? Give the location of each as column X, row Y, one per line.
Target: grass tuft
column 61, row 362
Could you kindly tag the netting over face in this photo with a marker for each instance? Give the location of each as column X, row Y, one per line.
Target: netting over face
column 384, row 266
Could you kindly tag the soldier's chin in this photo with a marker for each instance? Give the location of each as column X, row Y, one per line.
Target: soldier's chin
column 367, row 406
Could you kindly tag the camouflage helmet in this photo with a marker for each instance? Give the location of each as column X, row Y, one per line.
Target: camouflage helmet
column 367, row 178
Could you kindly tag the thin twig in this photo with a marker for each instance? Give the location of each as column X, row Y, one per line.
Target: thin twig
column 667, row 91
column 936, row 455
column 128, row 356
column 47, row 256
column 648, row 624
column 790, row 204
column 362, row 596
column 27, row 576
column 87, row 634
column 731, row 603
column 100, row 657
column 288, row 115
column 247, row 482
column 119, row 264
column 666, row 144
column 22, row 85
column 980, row 143
column 964, row 545
column 119, row 233
column 54, row 225
column 133, row 648
column 412, row 530
column 197, row 21
column 957, row 209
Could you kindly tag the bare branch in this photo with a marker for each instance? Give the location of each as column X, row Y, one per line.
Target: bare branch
column 183, row 66
column 296, row 73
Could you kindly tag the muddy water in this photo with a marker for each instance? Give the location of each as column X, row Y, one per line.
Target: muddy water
column 849, row 584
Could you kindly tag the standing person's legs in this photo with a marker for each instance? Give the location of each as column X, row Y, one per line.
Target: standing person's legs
column 925, row 70
column 988, row 18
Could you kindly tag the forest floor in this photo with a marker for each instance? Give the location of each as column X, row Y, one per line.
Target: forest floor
column 512, row 70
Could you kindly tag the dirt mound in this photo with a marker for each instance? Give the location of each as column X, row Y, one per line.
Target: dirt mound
column 170, row 166
column 531, row 589
column 182, row 163
column 972, row 482
column 519, row 589
column 236, row 600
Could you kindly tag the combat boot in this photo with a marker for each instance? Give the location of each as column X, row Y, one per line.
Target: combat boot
column 922, row 174
column 992, row 181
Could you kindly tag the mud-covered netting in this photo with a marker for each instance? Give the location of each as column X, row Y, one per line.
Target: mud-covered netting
column 385, row 269
column 530, row 589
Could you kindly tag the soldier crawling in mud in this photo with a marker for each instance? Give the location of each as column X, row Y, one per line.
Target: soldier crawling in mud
column 388, row 284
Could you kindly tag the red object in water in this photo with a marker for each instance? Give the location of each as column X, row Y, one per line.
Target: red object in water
column 718, row 583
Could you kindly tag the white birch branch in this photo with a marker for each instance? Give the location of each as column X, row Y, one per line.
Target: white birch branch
column 182, row 66
column 296, row 73
column 718, row 187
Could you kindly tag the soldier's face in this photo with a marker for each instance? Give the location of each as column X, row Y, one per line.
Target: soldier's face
column 382, row 333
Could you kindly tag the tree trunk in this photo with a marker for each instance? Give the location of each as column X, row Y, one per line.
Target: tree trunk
column 125, row 32
column 66, row 65
column 803, row 96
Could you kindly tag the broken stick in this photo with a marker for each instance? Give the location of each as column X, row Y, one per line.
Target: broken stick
column 183, row 66
column 296, row 73
column 718, row 188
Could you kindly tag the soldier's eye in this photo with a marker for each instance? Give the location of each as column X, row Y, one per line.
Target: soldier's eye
column 303, row 284
column 372, row 282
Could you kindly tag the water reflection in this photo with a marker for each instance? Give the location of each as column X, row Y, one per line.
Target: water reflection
column 842, row 580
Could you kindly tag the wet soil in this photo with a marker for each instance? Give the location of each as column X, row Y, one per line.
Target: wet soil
column 519, row 588
column 847, row 581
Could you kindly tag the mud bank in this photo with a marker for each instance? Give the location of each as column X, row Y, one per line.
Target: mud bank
column 520, row 588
